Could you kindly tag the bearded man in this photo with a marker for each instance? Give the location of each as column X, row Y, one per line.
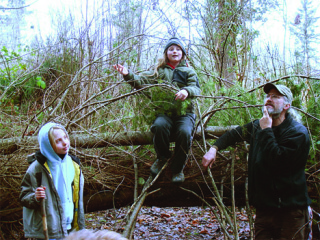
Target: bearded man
column 279, row 148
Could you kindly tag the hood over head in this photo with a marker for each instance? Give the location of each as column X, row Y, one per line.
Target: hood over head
column 45, row 146
column 62, row 170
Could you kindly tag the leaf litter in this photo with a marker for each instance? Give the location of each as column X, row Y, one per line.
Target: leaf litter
column 168, row 223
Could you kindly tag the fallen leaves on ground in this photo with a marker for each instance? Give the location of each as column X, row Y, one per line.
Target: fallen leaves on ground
column 168, row 223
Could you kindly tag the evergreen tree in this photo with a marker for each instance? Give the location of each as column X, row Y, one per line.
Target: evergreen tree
column 304, row 30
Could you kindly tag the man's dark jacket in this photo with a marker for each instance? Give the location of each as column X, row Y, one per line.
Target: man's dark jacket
column 277, row 159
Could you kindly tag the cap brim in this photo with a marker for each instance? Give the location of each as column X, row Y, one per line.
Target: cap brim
column 268, row 87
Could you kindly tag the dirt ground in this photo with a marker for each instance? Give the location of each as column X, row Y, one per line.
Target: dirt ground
column 168, row 223
column 164, row 223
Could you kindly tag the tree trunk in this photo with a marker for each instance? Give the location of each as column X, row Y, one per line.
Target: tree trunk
column 8, row 146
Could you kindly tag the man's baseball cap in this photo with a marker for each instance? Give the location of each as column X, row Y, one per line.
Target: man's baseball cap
column 284, row 90
column 175, row 41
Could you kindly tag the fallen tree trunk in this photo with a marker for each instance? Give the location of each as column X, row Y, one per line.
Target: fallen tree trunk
column 9, row 145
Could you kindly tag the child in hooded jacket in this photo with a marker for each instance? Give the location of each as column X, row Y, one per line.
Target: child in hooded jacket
column 54, row 175
column 173, row 71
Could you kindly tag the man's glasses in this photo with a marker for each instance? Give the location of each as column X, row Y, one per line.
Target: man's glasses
column 273, row 96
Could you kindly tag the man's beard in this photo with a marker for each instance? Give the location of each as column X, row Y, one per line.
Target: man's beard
column 274, row 112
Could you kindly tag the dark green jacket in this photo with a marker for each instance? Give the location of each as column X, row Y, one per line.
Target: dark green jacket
column 276, row 165
column 182, row 77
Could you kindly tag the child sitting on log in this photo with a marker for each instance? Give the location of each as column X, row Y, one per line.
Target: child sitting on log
column 172, row 71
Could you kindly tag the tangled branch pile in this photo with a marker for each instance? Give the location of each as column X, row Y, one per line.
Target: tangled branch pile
column 109, row 177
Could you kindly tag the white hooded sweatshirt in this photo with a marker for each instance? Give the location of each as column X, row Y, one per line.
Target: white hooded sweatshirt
column 62, row 171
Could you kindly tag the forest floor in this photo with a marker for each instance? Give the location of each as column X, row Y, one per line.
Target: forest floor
column 168, row 223
column 172, row 223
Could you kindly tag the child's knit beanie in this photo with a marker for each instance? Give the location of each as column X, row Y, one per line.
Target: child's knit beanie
column 175, row 41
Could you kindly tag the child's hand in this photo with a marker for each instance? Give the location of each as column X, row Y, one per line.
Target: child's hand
column 40, row 193
column 121, row 69
column 182, row 95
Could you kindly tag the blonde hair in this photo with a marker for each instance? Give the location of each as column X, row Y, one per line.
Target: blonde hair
column 86, row 234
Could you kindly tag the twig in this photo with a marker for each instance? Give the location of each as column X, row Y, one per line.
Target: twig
column 93, row 196
column 233, row 199
column 104, row 103
column 279, row 79
column 221, row 204
column 136, row 206
column 218, row 196
column 136, row 175
column 83, row 68
column 146, row 186
column 249, row 212
column 305, row 113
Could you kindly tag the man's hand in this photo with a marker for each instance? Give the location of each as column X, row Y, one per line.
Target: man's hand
column 266, row 120
column 121, row 69
column 182, row 95
column 209, row 158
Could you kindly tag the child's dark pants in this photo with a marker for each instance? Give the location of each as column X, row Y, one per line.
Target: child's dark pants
column 179, row 128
